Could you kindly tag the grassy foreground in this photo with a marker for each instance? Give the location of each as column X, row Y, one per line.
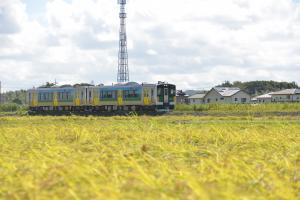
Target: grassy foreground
column 149, row 157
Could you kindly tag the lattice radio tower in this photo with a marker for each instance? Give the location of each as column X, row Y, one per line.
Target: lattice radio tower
column 123, row 71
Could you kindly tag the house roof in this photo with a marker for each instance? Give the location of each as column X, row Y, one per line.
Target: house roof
column 197, row 96
column 193, row 92
column 226, row 91
column 182, row 95
column 287, row 92
column 264, row 96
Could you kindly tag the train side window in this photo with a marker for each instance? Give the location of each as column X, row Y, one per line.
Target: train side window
column 132, row 93
column 146, row 93
column 152, row 93
column 125, row 93
column 90, row 94
column 107, row 94
column 159, row 91
column 172, row 92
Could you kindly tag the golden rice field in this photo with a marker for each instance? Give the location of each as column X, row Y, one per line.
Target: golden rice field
column 166, row 157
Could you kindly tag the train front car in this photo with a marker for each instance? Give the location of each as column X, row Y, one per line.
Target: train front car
column 166, row 94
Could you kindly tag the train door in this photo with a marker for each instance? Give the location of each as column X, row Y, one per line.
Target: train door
column 166, row 95
column 95, row 94
column 152, row 96
column 82, row 94
column 77, row 97
column 33, row 98
column 89, row 96
column 29, row 98
column 120, row 97
column 146, row 99
column 55, row 99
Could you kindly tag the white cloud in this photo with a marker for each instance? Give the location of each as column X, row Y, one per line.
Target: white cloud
column 193, row 43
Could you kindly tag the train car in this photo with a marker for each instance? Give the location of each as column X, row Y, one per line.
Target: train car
column 96, row 99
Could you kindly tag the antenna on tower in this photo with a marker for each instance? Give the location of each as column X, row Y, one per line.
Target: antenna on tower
column 123, row 71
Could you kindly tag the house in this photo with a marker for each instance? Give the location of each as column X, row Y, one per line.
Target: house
column 196, row 99
column 266, row 98
column 288, row 95
column 181, row 97
column 226, row 95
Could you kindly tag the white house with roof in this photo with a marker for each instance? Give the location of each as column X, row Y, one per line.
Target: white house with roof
column 227, row 95
column 265, row 98
column 182, row 99
column 196, row 99
column 288, row 95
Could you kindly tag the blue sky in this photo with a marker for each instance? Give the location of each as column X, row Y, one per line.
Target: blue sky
column 34, row 6
column 196, row 44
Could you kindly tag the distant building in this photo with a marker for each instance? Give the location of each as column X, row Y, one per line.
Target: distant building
column 196, row 99
column 181, row 97
column 226, row 95
column 266, row 98
column 288, row 95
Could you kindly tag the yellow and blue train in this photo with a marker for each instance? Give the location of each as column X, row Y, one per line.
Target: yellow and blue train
column 97, row 99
